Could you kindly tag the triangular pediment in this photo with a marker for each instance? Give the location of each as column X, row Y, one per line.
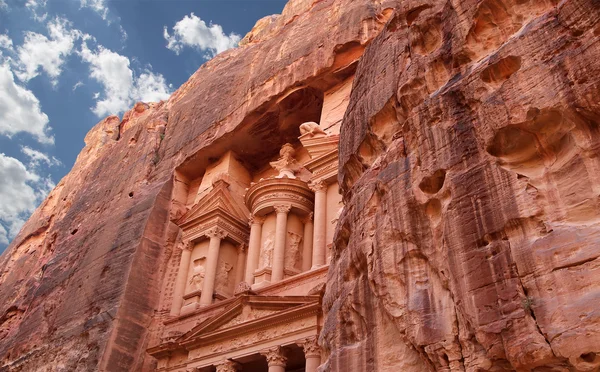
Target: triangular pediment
column 249, row 310
column 219, row 200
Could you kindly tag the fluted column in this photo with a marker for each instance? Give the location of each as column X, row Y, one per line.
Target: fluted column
column 181, row 280
column 320, row 228
column 208, row 287
column 308, row 243
column 228, row 366
column 253, row 248
column 312, row 353
column 275, row 359
column 279, row 246
column 241, row 261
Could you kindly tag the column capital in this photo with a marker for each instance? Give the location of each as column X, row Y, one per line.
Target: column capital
column 228, row 366
column 317, row 186
column 258, row 220
column 187, row 245
column 275, row 356
column 282, row 208
column 242, row 248
column 216, row 232
column 311, row 347
column 308, row 218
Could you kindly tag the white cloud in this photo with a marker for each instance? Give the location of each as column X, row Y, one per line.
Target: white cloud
column 5, row 42
column 99, row 6
column 3, row 4
column 20, row 109
column 191, row 31
column 77, row 85
column 36, row 6
column 21, row 190
column 36, row 158
column 49, row 54
column 121, row 88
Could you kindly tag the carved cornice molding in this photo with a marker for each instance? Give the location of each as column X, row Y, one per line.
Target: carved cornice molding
column 263, row 196
column 275, row 356
column 235, row 233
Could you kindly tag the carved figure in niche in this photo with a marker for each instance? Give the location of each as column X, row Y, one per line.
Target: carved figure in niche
column 198, row 273
column 286, row 164
column 292, row 256
column 312, row 128
column 223, row 275
column 266, row 252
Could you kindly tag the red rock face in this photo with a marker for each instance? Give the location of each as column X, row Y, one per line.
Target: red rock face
column 468, row 163
column 469, row 157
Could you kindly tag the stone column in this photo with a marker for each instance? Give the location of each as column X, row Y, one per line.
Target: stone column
column 308, row 243
column 208, row 287
column 279, row 246
column 312, row 353
column 275, row 359
column 180, row 282
column 239, row 266
column 320, row 228
column 253, row 248
column 228, row 366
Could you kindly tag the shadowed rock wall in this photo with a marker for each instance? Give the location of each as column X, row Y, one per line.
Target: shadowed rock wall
column 469, row 166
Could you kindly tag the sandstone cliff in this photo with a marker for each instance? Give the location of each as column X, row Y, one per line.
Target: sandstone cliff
column 468, row 165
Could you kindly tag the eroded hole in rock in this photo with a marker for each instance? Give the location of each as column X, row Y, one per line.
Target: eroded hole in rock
column 500, row 71
column 426, row 37
column 74, row 231
column 433, row 183
column 588, row 357
column 131, row 194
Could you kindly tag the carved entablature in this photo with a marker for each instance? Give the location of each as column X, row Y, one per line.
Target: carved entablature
column 262, row 197
column 323, row 150
column 219, row 209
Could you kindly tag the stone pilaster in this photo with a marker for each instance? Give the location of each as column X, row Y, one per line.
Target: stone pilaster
column 181, row 280
column 208, row 287
column 253, row 248
column 308, row 242
column 280, row 239
column 320, row 224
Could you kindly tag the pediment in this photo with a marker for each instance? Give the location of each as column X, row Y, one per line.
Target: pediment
column 250, row 310
column 219, row 200
column 319, row 145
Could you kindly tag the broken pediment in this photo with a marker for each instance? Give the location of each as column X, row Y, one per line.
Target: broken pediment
column 250, row 312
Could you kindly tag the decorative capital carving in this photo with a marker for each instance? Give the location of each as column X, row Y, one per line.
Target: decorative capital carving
column 242, row 288
column 228, row 366
column 282, row 208
column 308, row 218
column 311, row 347
column 256, row 220
column 242, row 248
column 187, row 245
column 275, row 356
column 318, row 186
column 216, row 232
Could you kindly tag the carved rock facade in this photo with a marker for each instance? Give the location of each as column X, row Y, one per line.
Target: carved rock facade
column 207, row 232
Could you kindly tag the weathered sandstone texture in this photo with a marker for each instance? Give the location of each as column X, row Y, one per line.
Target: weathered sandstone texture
column 469, row 166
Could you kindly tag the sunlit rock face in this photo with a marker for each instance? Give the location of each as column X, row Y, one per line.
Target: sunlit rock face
column 468, row 167
column 468, row 163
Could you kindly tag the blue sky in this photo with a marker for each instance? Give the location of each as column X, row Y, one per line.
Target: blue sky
column 67, row 64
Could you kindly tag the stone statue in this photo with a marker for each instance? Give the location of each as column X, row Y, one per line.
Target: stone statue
column 267, row 251
column 312, row 128
column 286, row 164
column 223, row 274
column 292, row 256
column 198, row 274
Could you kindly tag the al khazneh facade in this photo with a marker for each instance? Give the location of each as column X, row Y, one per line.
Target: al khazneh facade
column 245, row 287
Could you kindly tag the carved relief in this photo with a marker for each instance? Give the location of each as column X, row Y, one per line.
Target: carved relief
column 228, row 366
column 283, row 208
column 275, row 357
column 266, row 253
column 311, row 347
column 198, row 272
column 293, row 255
column 318, row 186
column 223, row 275
column 311, row 128
column 216, row 232
column 286, row 165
